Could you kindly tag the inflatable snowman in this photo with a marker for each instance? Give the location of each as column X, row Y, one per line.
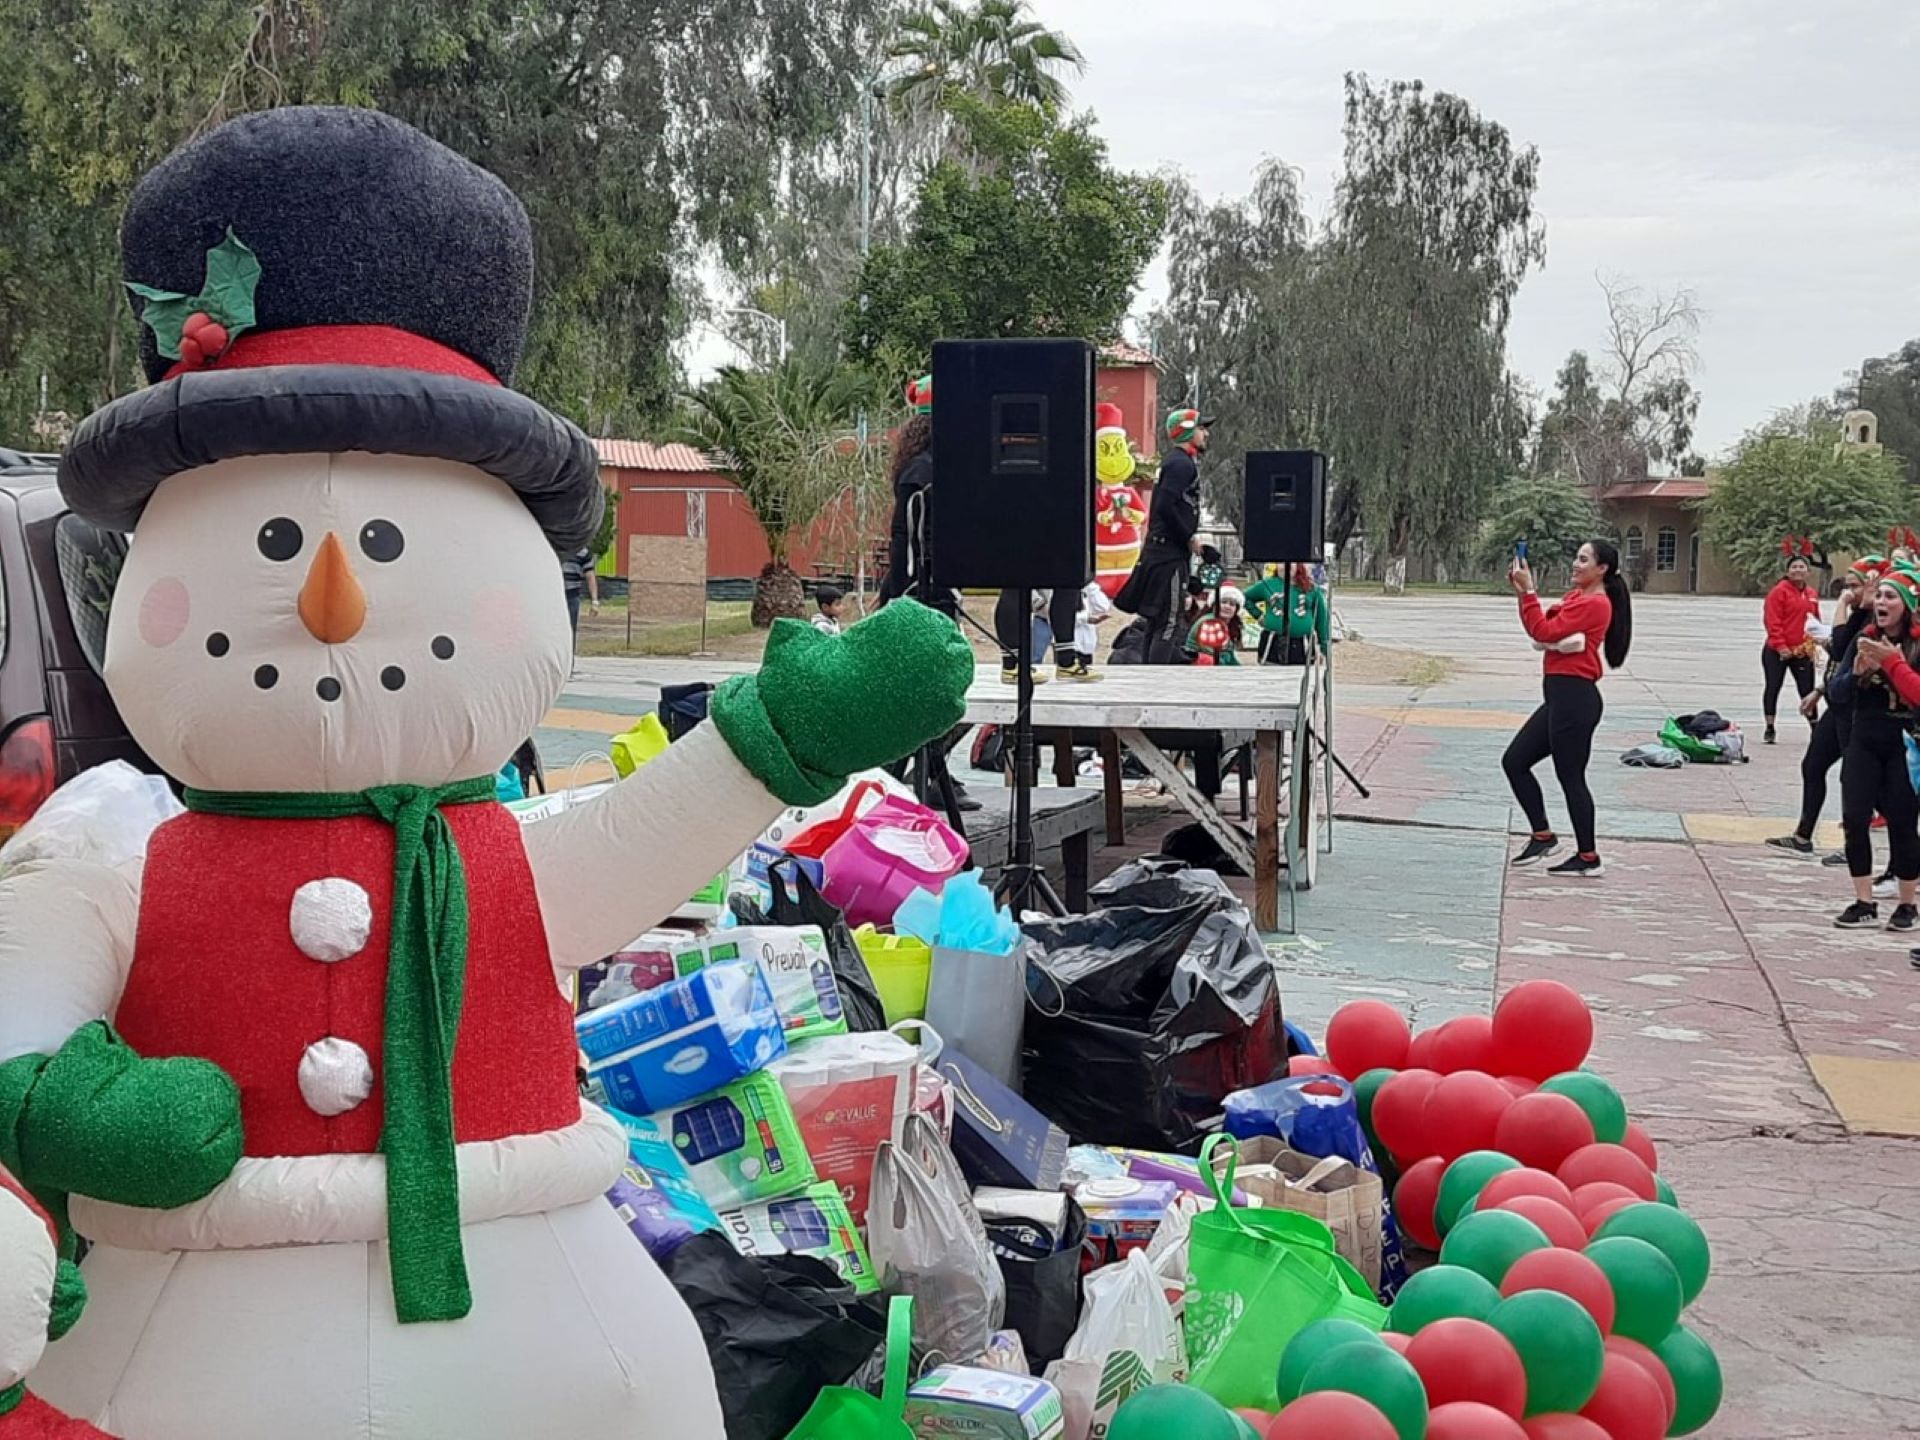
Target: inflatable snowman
column 1119, row 514
column 40, row 1296
column 305, row 1079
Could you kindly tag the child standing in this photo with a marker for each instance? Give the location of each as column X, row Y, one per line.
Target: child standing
column 832, row 605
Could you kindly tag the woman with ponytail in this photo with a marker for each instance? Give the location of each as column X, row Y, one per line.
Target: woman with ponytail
column 1594, row 619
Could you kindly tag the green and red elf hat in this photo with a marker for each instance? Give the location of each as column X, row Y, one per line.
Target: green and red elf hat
column 317, row 280
column 1904, row 583
column 920, row 395
column 1869, row 567
column 1181, row 425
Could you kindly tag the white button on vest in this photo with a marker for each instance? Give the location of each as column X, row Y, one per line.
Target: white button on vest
column 330, row 919
column 335, row 1076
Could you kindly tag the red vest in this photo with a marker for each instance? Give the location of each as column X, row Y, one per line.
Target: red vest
column 216, row 973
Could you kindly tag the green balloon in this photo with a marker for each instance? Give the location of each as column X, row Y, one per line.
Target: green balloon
column 1488, row 1242
column 1463, row 1180
column 1664, row 1191
column 1163, row 1410
column 1559, row 1345
column 1674, row 1234
column 1599, row 1099
column 1378, row 1375
column 1441, row 1292
column 1646, row 1288
column 1365, row 1088
column 1310, row 1344
column 1696, row 1378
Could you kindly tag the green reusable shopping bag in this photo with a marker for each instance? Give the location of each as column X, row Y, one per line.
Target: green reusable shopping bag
column 1674, row 738
column 843, row 1413
column 1257, row 1278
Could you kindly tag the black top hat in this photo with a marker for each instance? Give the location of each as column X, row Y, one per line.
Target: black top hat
column 317, row 280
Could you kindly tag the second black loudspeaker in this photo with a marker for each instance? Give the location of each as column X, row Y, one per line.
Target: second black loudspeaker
column 1286, row 506
column 1013, row 463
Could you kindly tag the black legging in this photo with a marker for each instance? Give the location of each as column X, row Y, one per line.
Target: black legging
column 1829, row 743
column 1874, row 777
column 1061, row 612
column 1562, row 727
column 1776, row 668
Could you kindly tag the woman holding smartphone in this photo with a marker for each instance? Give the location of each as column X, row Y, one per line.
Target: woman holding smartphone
column 1592, row 620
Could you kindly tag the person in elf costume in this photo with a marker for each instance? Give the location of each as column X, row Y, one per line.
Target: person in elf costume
column 1215, row 636
column 41, row 1295
column 1292, row 612
column 306, row 1081
column 1119, row 515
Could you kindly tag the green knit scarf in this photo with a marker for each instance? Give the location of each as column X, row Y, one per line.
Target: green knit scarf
column 426, row 977
column 11, row 1397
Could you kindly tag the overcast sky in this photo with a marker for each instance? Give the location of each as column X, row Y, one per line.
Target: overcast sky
column 1765, row 153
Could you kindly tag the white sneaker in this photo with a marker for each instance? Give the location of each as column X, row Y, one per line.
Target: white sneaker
column 1885, row 888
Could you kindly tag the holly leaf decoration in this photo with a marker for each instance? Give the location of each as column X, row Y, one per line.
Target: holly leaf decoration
column 226, row 297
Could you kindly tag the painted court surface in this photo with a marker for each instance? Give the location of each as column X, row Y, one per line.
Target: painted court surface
column 1775, row 1060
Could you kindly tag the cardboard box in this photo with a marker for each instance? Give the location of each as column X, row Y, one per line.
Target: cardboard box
column 984, row 1405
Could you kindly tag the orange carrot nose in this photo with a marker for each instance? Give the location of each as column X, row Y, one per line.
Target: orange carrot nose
column 333, row 607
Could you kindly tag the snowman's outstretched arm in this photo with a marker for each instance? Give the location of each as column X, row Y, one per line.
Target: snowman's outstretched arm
column 66, row 940
column 820, row 709
column 615, row 867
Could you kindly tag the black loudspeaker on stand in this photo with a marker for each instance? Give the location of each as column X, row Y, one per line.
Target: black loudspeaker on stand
column 1013, row 472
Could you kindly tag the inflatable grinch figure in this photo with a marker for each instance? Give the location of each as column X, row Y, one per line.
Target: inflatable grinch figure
column 1119, row 516
column 306, row 1081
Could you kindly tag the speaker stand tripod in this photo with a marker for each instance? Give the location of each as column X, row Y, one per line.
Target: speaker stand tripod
column 1023, row 882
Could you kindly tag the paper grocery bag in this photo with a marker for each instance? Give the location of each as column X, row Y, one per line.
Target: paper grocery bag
column 1334, row 1191
column 978, row 1003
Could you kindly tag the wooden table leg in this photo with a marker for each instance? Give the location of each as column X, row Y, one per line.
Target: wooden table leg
column 1116, row 796
column 1076, row 858
column 1063, row 775
column 1266, row 832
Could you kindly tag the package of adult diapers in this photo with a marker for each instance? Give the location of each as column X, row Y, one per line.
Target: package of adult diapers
column 655, row 1196
column 984, row 1405
column 689, row 1036
column 798, row 969
column 815, row 1223
column 741, row 1143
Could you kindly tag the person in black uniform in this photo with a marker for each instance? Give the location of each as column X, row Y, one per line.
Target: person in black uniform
column 1155, row 593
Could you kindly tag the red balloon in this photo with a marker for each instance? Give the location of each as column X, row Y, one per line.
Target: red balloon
column 1367, row 1035
column 1570, row 1273
column 1541, row 1029
column 1541, row 1131
column 1598, row 1215
column 1585, row 1197
column 1641, row 1144
column 1519, row 1084
column 1464, row 1044
column 1461, row 1359
column 1628, row 1405
column 1509, row 1183
column 1613, row 1164
column 1331, row 1415
column 1465, row 1420
column 1414, row 1198
column 1463, row 1111
column 1654, row 1366
column 1399, row 1114
column 1259, row 1419
column 1299, row 1065
column 1396, row 1342
column 1420, row 1050
column 1555, row 1220
column 1563, row 1427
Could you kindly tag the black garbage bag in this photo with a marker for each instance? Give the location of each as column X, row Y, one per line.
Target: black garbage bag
column 779, row 1329
column 683, row 707
column 1150, row 1010
column 805, row 905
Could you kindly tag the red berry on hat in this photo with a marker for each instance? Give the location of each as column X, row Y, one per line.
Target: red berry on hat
column 213, row 339
column 190, row 350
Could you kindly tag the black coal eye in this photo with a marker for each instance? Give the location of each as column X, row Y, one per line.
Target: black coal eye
column 280, row 539
column 381, row 540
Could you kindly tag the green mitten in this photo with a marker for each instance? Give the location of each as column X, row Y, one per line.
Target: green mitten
column 98, row 1120
column 824, row 707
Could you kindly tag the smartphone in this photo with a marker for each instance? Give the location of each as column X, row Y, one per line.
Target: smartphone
column 1520, row 552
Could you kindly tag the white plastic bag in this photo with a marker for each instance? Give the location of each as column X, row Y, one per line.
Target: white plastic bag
column 926, row 1240
column 103, row 815
column 1126, row 1341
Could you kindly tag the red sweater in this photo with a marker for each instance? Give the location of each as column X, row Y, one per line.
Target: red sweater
column 1578, row 613
column 1789, row 606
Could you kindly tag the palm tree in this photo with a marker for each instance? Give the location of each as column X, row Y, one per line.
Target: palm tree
column 785, row 435
column 995, row 51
